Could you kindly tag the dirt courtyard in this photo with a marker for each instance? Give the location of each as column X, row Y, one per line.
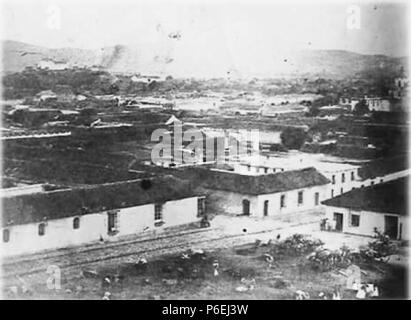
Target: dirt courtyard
column 244, row 272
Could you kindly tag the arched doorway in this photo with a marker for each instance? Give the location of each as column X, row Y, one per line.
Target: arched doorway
column 265, row 208
column 246, row 207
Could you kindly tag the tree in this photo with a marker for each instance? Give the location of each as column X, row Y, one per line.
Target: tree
column 361, row 108
column 293, row 138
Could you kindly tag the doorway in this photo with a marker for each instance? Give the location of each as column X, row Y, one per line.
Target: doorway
column 316, row 199
column 112, row 223
column 265, row 208
column 246, row 207
column 391, row 226
column 338, row 217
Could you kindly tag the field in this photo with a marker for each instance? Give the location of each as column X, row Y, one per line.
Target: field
column 243, row 273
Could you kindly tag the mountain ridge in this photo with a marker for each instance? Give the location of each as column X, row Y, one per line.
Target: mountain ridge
column 154, row 60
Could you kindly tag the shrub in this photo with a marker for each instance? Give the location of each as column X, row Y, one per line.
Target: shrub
column 379, row 249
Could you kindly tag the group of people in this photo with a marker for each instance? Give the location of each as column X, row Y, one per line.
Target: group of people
column 328, row 225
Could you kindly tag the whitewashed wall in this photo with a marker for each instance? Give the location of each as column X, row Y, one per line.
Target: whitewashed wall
column 349, row 185
column 291, row 201
column 339, row 185
column 385, row 178
column 242, row 168
column 230, row 202
column 368, row 221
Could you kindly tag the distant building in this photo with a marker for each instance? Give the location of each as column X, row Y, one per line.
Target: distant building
column 50, row 64
column 63, row 218
column 373, row 103
column 400, row 89
column 381, row 207
column 34, row 116
column 349, row 102
column 266, row 195
column 46, row 95
column 377, row 104
column 343, row 176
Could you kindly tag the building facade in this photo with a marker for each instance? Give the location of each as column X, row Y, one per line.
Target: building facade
column 381, row 207
column 32, row 224
column 266, row 195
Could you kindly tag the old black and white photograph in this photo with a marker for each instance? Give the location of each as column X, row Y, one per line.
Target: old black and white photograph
column 204, row 150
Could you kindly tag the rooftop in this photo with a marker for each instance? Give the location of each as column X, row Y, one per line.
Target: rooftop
column 382, row 167
column 264, row 184
column 388, row 197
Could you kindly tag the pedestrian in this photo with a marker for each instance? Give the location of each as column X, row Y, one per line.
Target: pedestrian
column 337, row 293
column 301, row 295
column 361, row 293
column 106, row 282
column 106, row 296
column 375, row 293
column 216, row 266
column 333, row 224
column 322, row 295
column 269, row 259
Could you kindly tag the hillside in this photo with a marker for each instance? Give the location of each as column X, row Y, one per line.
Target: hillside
column 151, row 60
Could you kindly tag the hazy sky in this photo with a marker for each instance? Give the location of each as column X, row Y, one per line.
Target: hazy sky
column 244, row 28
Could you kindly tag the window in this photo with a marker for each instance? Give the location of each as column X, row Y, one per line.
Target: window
column 282, row 201
column 341, row 191
column 372, row 183
column 248, row 167
column 316, row 198
column 343, row 177
column 332, row 193
column 265, row 170
column 355, row 220
column 352, row 176
column 300, row 198
column 158, row 212
column 381, row 180
column 6, row 235
column 200, row 206
column 333, row 179
column 76, row 223
column 42, row 229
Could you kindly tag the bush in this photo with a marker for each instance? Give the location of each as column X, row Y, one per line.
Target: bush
column 325, row 259
column 379, row 249
column 296, row 244
column 293, row 138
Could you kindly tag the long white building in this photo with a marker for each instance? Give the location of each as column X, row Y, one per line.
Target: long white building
column 265, row 195
column 64, row 218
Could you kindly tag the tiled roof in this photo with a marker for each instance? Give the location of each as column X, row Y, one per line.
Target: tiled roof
column 382, row 167
column 264, row 184
column 97, row 198
column 388, row 197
